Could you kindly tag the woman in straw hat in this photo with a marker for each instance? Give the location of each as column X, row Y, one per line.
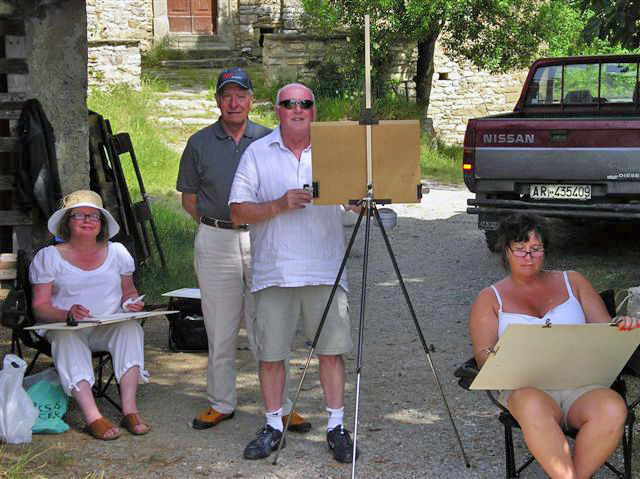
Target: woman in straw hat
column 87, row 275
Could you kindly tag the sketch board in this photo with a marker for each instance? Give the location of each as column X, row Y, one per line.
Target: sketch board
column 339, row 158
column 557, row 357
column 93, row 322
column 190, row 293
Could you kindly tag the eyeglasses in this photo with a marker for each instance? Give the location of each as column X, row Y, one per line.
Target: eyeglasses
column 93, row 217
column 291, row 104
column 521, row 253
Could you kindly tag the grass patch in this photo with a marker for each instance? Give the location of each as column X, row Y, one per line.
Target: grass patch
column 21, row 462
column 440, row 162
column 129, row 110
column 177, row 232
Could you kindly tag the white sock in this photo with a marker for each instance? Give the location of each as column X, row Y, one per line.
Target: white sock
column 274, row 419
column 336, row 417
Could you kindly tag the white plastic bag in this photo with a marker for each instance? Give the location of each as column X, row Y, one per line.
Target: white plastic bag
column 17, row 412
column 632, row 298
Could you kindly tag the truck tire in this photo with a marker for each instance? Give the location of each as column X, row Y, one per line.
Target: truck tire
column 491, row 237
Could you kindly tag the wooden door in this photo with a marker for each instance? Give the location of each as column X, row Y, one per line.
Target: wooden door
column 192, row 16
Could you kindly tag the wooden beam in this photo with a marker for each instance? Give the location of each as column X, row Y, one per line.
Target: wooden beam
column 6, row 183
column 14, row 97
column 12, row 26
column 10, row 110
column 8, row 144
column 14, row 218
column 13, row 65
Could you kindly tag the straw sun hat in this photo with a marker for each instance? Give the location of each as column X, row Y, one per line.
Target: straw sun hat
column 75, row 200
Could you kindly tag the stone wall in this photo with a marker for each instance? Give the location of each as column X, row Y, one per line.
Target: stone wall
column 296, row 57
column 459, row 91
column 120, row 20
column 118, row 30
column 272, row 16
column 114, row 61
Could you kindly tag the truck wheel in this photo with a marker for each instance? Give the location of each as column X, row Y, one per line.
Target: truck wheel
column 491, row 237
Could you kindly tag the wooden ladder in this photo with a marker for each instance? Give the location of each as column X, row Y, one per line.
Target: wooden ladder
column 15, row 225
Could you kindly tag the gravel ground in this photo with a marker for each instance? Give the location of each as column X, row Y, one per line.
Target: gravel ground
column 403, row 428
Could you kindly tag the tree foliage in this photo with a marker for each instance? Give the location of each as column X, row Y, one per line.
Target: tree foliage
column 614, row 21
column 497, row 35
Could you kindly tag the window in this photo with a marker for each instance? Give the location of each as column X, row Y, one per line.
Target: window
column 618, row 82
column 545, row 86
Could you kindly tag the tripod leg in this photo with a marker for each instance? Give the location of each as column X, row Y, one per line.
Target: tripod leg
column 319, row 330
column 417, row 325
column 363, row 301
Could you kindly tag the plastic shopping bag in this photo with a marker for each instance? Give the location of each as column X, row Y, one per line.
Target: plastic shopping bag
column 632, row 298
column 17, row 413
column 47, row 395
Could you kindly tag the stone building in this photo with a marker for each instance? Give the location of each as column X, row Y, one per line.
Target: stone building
column 119, row 30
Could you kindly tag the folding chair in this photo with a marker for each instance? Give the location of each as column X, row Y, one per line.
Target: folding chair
column 17, row 315
column 468, row 371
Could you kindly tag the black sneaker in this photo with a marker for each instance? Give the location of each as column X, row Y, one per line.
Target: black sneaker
column 339, row 441
column 266, row 440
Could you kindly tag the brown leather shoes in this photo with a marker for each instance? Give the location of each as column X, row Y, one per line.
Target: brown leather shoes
column 210, row 418
column 297, row 424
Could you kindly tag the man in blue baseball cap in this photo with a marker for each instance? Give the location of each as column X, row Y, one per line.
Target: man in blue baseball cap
column 222, row 254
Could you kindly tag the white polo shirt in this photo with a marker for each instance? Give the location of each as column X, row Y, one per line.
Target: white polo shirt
column 297, row 248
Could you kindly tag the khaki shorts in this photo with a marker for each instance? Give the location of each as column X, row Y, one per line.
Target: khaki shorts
column 277, row 313
column 564, row 398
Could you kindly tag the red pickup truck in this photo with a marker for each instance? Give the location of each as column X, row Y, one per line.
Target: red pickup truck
column 570, row 148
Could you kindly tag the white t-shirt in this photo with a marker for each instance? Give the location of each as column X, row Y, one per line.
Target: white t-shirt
column 98, row 290
column 302, row 247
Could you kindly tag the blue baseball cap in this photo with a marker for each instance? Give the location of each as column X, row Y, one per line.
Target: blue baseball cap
column 233, row 75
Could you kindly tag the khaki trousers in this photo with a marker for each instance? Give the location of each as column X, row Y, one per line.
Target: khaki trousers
column 222, row 260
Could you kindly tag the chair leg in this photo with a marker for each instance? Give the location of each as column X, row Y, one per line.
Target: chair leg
column 510, row 461
column 100, row 387
column 627, row 444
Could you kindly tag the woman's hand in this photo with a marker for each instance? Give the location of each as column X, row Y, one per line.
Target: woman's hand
column 135, row 307
column 78, row 312
column 627, row 323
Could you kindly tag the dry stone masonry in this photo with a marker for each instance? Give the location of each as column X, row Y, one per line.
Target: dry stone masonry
column 117, row 32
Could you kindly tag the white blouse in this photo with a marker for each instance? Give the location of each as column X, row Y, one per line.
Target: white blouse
column 98, row 290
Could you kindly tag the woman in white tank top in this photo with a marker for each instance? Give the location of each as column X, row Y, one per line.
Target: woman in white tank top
column 532, row 295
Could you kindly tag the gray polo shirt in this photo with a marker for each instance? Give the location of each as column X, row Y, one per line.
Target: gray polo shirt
column 209, row 163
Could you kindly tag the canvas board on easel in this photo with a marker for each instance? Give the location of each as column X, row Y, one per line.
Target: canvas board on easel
column 557, row 357
column 339, row 158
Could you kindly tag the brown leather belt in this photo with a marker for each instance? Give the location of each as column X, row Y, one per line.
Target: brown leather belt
column 227, row 225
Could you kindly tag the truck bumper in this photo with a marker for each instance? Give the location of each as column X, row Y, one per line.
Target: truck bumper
column 490, row 210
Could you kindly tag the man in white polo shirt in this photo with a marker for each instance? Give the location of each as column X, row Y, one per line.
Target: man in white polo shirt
column 296, row 251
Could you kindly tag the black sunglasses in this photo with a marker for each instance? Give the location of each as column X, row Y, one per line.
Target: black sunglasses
column 291, row 104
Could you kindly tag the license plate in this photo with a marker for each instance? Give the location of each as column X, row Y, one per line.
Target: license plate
column 560, row 192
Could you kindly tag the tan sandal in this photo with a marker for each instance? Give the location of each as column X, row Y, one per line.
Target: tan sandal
column 130, row 421
column 99, row 427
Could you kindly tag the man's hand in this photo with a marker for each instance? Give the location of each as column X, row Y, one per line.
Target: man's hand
column 294, row 199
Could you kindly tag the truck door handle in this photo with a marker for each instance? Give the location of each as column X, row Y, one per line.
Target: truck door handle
column 559, row 135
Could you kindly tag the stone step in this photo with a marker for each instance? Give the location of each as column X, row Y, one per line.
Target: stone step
column 220, row 51
column 194, row 41
column 173, row 121
column 203, row 63
column 199, row 104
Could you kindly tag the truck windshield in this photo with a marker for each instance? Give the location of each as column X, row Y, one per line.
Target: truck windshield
column 583, row 84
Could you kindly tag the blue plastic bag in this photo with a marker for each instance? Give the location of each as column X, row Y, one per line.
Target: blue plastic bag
column 47, row 395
